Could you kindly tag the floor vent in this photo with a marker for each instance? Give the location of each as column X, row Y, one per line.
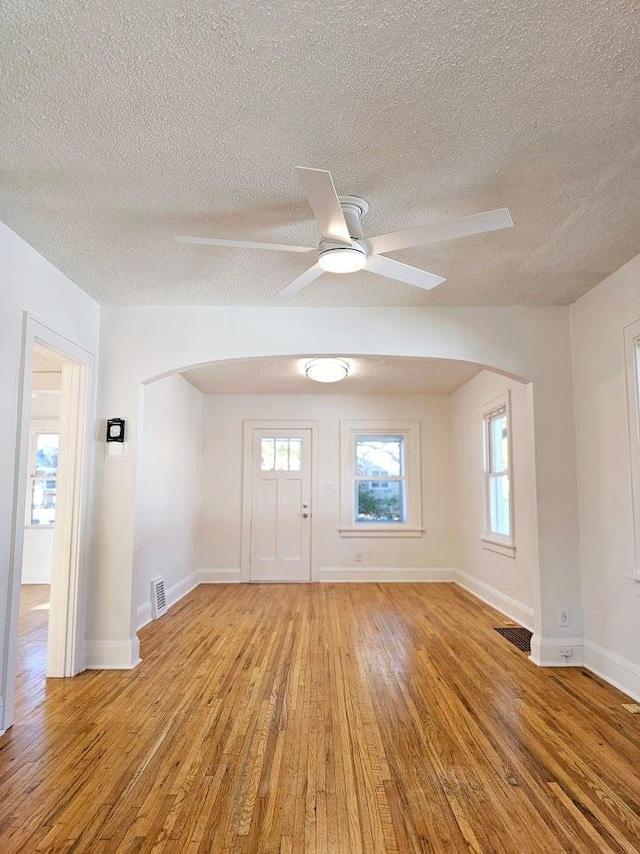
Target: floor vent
column 518, row 636
column 158, row 598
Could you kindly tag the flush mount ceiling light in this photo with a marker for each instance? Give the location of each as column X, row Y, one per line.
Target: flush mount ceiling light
column 326, row 370
column 342, row 259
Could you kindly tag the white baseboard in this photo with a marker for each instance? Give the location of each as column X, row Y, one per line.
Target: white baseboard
column 112, row 655
column 219, row 576
column 181, row 588
column 384, row 573
column 517, row 611
column 144, row 612
column 613, row 668
column 545, row 652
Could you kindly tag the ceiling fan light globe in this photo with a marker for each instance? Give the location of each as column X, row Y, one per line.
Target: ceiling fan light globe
column 326, row 370
column 342, row 260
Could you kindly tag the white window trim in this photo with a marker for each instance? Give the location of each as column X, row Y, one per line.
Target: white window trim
column 38, row 426
column 410, row 431
column 632, row 372
column 491, row 541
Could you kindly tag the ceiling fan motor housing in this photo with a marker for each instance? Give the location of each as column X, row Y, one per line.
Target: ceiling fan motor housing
column 354, row 208
column 337, row 257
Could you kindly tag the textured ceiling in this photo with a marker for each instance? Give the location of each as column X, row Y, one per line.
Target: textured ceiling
column 125, row 123
column 367, row 375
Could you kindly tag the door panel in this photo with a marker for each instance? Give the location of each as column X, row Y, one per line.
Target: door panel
column 280, row 511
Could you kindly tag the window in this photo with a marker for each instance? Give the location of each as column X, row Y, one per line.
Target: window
column 632, row 364
column 380, row 482
column 280, row 454
column 497, row 475
column 43, row 478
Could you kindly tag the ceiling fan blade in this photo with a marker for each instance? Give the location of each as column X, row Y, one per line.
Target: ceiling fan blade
column 453, row 228
column 302, row 281
column 245, row 244
column 325, row 204
column 402, row 272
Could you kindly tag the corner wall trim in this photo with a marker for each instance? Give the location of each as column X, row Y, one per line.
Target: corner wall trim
column 613, row 668
column 385, row 573
column 518, row 611
column 112, row 655
column 545, row 652
column 219, row 576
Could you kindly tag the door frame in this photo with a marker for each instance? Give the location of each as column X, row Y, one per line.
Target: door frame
column 247, row 489
column 71, row 541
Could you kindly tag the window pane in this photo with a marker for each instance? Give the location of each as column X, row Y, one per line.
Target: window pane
column 498, row 442
column 499, row 521
column 43, row 501
column 268, row 454
column 282, row 455
column 378, row 502
column 380, row 455
column 295, row 454
column 42, row 497
column 46, row 462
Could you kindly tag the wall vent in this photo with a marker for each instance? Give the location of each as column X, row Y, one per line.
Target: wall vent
column 158, row 597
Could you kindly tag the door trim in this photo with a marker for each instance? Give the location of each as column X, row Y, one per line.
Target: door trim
column 68, row 612
column 247, row 483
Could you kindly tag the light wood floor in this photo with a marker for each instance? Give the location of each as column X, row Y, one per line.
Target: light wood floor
column 31, row 687
column 324, row 718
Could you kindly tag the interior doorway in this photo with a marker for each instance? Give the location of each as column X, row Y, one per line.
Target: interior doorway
column 39, row 528
column 51, row 509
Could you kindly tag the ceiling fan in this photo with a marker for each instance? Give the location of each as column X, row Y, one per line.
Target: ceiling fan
column 344, row 249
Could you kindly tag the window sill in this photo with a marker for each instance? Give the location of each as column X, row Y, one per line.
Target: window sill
column 499, row 547
column 38, row 527
column 370, row 531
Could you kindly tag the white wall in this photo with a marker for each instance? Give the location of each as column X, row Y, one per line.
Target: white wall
column 611, row 598
column 30, row 284
column 168, row 504
column 507, row 581
column 46, row 404
column 223, row 466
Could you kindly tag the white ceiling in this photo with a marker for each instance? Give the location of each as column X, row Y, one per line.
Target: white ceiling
column 367, row 375
column 125, row 123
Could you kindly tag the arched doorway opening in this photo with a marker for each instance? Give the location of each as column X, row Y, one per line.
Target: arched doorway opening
column 196, row 494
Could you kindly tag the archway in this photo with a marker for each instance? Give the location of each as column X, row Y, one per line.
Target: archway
column 140, row 345
column 445, row 395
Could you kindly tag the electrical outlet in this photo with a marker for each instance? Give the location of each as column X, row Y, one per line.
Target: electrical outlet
column 358, row 557
column 566, row 651
column 563, row 616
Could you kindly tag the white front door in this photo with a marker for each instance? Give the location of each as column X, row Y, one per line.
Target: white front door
column 280, row 505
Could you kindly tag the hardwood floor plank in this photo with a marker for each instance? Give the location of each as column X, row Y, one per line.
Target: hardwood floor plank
column 377, row 718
